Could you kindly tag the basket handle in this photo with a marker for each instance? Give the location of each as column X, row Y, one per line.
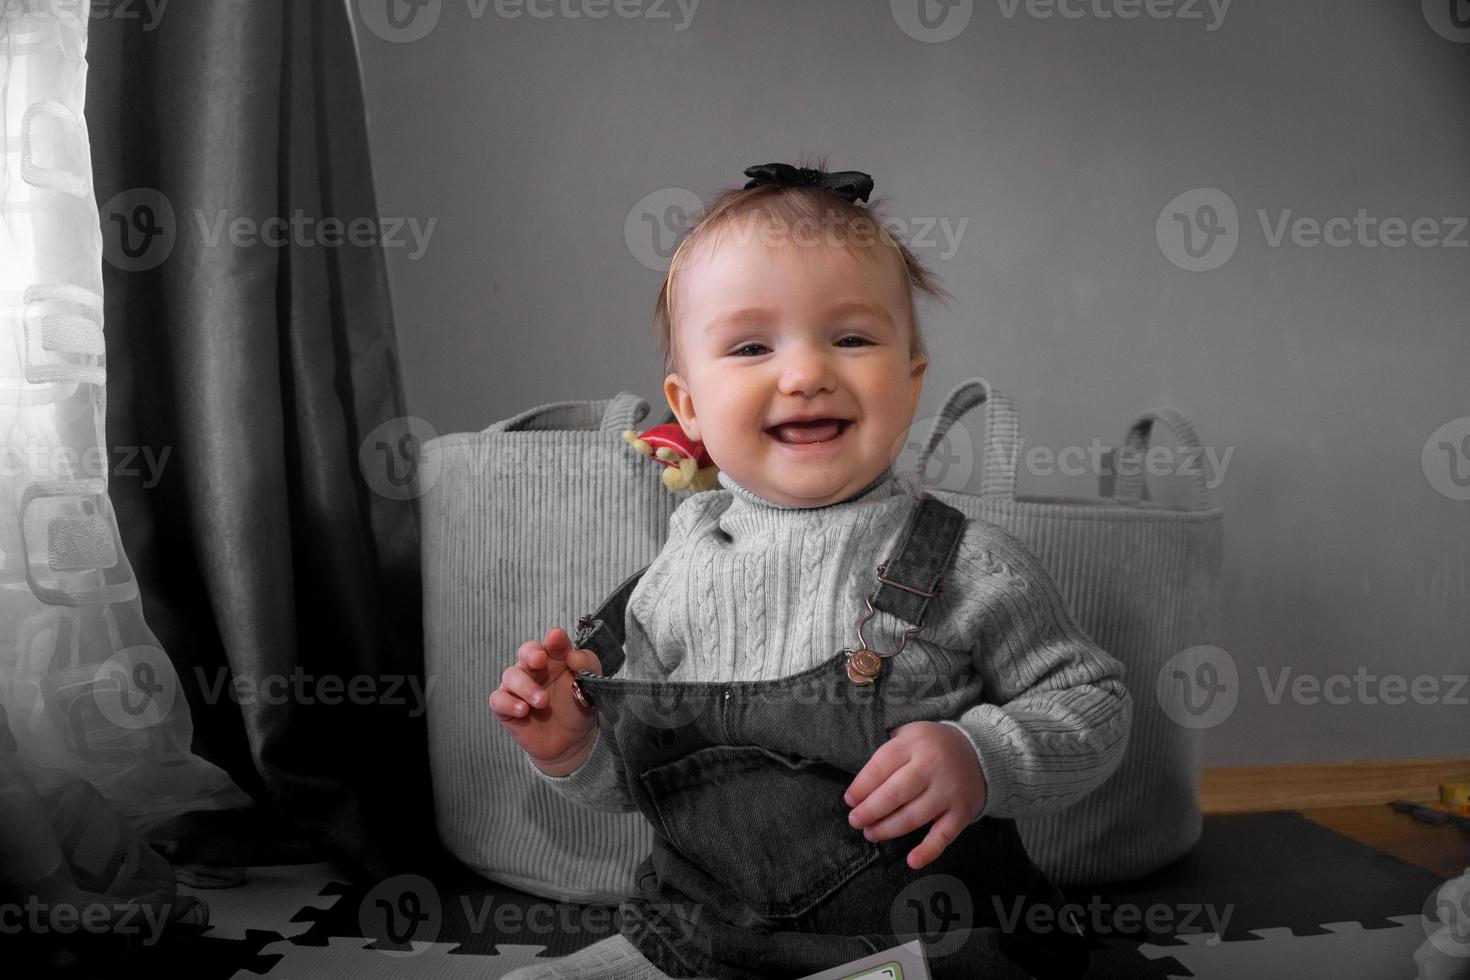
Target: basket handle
column 1002, row 435
column 1129, row 486
column 621, row 411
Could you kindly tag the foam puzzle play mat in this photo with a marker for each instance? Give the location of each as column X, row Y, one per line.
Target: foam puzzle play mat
column 1262, row 896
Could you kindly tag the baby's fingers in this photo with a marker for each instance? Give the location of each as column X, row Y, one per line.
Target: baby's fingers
column 558, row 644
column 531, row 656
column 545, row 661
column 940, row 836
column 882, row 764
column 584, row 659
column 520, row 685
column 507, row 705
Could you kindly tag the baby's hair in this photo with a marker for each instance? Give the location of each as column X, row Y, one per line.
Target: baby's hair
column 858, row 226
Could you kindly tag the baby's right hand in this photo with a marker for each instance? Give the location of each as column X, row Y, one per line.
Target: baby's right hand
column 534, row 703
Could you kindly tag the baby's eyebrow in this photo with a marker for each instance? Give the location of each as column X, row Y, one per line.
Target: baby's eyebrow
column 877, row 311
column 754, row 315
column 747, row 316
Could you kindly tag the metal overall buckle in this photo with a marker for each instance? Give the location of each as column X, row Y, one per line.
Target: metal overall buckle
column 865, row 664
column 584, row 625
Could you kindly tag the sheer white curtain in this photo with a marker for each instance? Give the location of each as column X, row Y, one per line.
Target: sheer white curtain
column 85, row 688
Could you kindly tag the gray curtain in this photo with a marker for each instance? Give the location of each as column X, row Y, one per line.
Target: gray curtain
column 259, row 544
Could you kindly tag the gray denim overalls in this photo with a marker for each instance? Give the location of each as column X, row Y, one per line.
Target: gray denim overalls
column 756, row 873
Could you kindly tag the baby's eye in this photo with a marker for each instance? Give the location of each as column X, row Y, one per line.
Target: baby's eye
column 739, row 351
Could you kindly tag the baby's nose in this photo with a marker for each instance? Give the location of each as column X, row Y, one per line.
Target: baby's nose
column 806, row 375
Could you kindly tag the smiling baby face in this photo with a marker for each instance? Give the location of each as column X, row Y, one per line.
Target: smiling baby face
column 794, row 365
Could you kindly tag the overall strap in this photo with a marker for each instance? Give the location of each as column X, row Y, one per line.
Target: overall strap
column 602, row 632
column 926, row 548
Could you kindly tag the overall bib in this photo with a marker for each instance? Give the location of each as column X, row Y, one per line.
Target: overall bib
column 756, row 873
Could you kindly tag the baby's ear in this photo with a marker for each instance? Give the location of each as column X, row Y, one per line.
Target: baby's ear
column 676, row 392
column 917, row 366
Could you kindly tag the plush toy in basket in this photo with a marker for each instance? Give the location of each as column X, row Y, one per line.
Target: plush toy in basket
column 688, row 466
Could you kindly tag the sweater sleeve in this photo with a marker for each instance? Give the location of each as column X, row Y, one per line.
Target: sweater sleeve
column 1056, row 714
column 599, row 783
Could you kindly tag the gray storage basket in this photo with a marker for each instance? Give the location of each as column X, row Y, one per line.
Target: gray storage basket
column 1142, row 580
column 529, row 525
column 512, row 546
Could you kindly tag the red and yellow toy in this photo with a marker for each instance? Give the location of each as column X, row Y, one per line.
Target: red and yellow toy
column 688, row 466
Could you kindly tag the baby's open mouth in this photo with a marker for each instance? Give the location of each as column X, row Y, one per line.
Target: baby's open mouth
column 809, row 433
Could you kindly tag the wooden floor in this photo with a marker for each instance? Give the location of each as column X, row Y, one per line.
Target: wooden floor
column 1444, row 850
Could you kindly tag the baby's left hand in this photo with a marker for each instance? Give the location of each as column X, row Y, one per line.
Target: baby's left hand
column 925, row 771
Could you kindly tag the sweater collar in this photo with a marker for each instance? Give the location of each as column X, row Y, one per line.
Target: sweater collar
column 885, row 484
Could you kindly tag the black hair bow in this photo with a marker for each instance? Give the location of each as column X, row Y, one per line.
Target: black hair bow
column 851, row 185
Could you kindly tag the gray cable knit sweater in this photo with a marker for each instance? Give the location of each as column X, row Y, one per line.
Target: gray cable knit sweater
column 748, row 589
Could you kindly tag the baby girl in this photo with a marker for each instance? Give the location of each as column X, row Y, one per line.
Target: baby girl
column 830, row 692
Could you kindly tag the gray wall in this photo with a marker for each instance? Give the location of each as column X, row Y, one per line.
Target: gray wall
column 1053, row 145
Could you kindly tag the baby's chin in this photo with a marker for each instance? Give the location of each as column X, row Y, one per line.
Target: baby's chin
column 816, row 491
